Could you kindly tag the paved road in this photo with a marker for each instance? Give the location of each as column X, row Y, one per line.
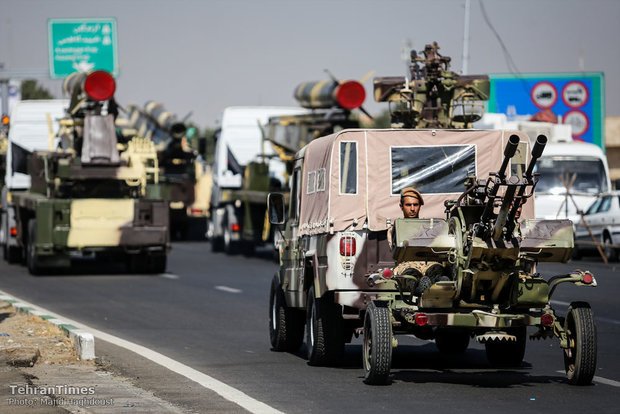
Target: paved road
column 210, row 312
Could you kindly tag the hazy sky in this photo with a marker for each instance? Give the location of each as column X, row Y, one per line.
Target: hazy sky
column 202, row 56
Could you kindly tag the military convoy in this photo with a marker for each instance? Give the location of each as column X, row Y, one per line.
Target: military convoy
column 254, row 153
column 351, row 265
column 87, row 195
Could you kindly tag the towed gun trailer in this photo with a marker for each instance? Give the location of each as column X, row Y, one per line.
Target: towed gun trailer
column 487, row 289
column 348, row 267
column 88, row 197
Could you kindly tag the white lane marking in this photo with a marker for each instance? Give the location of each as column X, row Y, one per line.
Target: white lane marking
column 226, row 391
column 602, row 380
column 228, row 289
column 597, row 318
column 169, row 276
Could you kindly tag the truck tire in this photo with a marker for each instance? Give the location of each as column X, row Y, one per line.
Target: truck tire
column 377, row 348
column 157, row 263
column 32, row 261
column 286, row 325
column 230, row 246
column 12, row 254
column 324, row 331
column 580, row 356
column 507, row 354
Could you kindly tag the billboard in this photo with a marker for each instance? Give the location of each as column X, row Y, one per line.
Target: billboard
column 575, row 98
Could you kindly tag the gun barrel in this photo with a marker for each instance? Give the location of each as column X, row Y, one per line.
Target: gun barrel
column 539, row 147
column 509, row 152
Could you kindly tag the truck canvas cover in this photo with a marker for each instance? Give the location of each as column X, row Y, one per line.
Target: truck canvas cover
column 353, row 178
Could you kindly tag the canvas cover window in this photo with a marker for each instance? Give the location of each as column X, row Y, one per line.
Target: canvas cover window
column 320, row 180
column 311, row 182
column 432, row 169
column 348, row 167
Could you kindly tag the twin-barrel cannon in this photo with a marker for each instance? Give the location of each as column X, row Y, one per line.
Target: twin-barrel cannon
column 474, row 275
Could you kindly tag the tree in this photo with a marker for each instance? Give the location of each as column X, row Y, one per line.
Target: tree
column 30, row 90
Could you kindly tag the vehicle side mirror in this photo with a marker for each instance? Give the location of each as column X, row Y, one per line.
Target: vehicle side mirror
column 275, row 208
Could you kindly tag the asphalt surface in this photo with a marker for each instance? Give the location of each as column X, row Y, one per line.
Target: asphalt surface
column 210, row 312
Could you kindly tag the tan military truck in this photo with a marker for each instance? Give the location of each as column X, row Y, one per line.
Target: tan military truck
column 343, row 273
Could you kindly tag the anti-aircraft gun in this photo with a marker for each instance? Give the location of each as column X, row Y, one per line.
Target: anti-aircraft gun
column 483, row 283
column 182, row 171
column 89, row 195
column 431, row 95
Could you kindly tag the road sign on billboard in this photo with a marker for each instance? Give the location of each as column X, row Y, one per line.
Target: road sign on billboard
column 576, row 98
column 82, row 45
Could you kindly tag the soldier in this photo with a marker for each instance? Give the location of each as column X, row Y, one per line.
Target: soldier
column 410, row 202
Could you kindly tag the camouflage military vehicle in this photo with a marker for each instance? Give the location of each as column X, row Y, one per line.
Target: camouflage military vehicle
column 351, row 264
column 88, row 196
column 238, row 217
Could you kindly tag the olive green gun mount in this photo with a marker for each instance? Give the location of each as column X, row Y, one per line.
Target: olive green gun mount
column 482, row 280
column 431, row 95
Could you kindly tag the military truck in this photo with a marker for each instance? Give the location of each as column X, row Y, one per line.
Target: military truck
column 32, row 129
column 183, row 173
column 351, row 264
column 238, row 219
column 87, row 197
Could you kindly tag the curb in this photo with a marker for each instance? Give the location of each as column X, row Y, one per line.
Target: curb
column 83, row 341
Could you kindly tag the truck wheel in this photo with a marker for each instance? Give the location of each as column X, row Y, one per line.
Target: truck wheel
column 610, row 253
column 137, row 263
column 157, row 263
column 451, row 341
column 507, row 354
column 580, row 356
column 12, row 254
column 286, row 325
column 377, row 344
column 31, row 256
column 324, row 339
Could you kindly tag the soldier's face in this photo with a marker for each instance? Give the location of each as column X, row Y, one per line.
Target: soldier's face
column 410, row 207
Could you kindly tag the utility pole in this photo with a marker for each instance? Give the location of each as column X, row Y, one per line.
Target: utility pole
column 466, row 39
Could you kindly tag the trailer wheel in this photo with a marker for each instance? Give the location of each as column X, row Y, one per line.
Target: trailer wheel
column 504, row 354
column 580, row 356
column 230, row 246
column 451, row 341
column 377, row 347
column 32, row 260
column 286, row 325
column 324, row 338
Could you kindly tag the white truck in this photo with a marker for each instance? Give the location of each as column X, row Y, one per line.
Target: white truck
column 563, row 158
column 238, row 203
column 33, row 125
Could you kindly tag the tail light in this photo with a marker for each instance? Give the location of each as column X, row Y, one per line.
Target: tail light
column 587, row 278
column 347, row 246
column 387, row 273
column 546, row 319
column 421, row 319
column 99, row 85
column 13, row 231
column 235, row 227
column 350, row 94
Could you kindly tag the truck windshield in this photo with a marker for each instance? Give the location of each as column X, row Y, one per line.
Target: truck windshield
column 590, row 174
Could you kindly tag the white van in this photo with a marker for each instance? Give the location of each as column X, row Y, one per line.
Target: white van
column 561, row 162
column 239, row 142
column 30, row 131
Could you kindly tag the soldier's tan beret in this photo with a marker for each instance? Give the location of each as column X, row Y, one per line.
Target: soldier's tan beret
column 412, row 192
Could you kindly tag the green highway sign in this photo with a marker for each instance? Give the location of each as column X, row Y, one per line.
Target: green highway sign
column 80, row 45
